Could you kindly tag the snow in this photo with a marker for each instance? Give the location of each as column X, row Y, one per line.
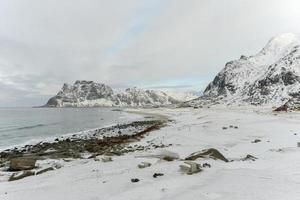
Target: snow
column 182, row 95
column 270, row 77
column 275, row 175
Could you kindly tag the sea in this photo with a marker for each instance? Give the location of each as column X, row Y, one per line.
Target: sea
column 20, row 126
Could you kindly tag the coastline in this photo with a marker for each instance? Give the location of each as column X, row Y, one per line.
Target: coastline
column 109, row 140
column 123, row 118
column 261, row 149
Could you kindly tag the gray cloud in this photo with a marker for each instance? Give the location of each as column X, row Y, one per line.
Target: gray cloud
column 125, row 43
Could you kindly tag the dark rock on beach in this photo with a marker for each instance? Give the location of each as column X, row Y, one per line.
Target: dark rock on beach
column 135, row 180
column 155, row 175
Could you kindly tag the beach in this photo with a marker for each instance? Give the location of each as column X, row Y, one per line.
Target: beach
column 260, row 146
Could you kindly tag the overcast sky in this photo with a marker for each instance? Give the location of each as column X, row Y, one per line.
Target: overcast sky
column 124, row 43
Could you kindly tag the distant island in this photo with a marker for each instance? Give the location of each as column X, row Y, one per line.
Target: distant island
column 91, row 94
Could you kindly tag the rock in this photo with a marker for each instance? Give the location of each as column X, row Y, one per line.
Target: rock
column 256, row 141
column 236, row 127
column 57, row 165
column 224, row 127
column 68, row 140
column 190, row 167
column 243, row 57
column 17, row 176
column 131, row 140
column 106, row 159
column 249, row 157
column 135, row 180
column 168, row 158
column 206, row 165
column 44, row 170
column 155, row 175
column 210, row 153
column 17, row 164
column 144, row 165
column 283, row 108
column 168, row 155
column 113, row 153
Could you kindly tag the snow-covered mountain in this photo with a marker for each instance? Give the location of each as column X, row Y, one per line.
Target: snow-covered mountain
column 183, row 95
column 90, row 94
column 271, row 77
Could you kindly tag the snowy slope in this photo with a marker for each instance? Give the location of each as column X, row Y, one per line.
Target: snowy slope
column 270, row 77
column 185, row 95
column 89, row 94
column 139, row 97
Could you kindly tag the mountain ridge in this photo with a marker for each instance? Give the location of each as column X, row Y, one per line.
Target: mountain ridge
column 271, row 77
column 91, row 94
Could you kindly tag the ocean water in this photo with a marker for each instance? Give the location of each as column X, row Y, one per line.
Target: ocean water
column 26, row 125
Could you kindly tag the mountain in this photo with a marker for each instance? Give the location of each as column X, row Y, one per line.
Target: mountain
column 90, row 94
column 271, row 77
column 183, row 95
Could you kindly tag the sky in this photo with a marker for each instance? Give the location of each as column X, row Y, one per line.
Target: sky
column 145, row 43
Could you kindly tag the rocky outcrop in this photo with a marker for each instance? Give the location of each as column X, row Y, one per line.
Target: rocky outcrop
column 91, row 94
column 271, row 77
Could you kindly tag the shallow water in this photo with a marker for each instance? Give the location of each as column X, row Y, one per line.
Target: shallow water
column 25, row 125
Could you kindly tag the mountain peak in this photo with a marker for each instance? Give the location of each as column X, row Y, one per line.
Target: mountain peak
column 281, row 44
column 270, row 77
column 285, row 38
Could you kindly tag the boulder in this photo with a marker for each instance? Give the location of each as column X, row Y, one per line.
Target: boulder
column 283, row 108
column 144, row 165
column 256, row 141
column 168, row 155
column 155, row 175
column 207, row 153
column 106, row 159
column 249, row 157
column 135, row 180
column 190, row 168
column 17, row 164
column 206, row 165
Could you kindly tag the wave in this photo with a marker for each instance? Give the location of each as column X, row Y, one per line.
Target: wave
column 22, row 127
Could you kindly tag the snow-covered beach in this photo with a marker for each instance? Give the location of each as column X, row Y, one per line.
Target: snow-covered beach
column 236, row 132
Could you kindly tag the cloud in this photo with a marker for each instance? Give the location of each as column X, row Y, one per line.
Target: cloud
column 129, row 43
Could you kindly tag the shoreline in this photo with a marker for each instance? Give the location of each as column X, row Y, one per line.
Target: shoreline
column 110, row 140
column 127, row 119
